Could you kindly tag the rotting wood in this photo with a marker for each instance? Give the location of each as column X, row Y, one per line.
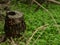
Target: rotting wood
column 14, row 25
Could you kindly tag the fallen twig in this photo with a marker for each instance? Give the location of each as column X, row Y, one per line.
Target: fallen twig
column 37, row 38
column 41, row 27
column 51, row 15
column 12, row 41
column 54, row 1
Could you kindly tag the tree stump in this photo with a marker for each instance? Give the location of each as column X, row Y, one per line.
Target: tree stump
column 14, row 24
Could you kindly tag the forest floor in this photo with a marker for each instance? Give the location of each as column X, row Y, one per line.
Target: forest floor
column 33, row 20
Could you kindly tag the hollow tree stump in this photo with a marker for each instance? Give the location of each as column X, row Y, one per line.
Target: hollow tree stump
column 14, row 24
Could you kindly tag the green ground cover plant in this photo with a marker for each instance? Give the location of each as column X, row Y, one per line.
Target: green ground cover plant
column 49, row 36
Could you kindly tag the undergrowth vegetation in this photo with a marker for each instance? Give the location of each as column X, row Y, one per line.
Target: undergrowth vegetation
column 48, row 36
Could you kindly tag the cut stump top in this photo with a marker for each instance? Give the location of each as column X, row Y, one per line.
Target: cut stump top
column 14, row 14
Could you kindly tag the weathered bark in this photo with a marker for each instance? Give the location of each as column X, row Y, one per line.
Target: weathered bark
column 14, row 24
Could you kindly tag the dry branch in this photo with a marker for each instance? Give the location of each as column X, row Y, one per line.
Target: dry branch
column 37, row 38
column 50, row 14
column 41, row 27
column 54, row 1
column 12, row 41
